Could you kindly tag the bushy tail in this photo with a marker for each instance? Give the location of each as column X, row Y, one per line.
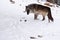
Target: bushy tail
column 50, row 15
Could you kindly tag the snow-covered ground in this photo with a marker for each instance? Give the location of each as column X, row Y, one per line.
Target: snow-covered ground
column 12, row 28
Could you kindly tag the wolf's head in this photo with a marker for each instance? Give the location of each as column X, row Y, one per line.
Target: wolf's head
column 27, row 10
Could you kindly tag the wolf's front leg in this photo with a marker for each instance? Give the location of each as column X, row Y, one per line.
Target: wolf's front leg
column 43, row 18
column 35, row 16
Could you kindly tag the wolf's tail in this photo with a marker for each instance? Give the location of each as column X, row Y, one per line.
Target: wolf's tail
column 50, row 15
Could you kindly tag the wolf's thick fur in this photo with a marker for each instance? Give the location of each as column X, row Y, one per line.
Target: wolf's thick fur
column 38, row 9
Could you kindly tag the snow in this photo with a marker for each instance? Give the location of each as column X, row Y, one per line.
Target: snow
column 11, row 28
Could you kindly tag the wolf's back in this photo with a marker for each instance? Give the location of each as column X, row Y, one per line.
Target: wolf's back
column 36, row 6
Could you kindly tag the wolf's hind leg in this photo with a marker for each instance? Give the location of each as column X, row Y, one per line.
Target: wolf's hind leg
column 35, row 16
column 48, row 20
column 43, row 18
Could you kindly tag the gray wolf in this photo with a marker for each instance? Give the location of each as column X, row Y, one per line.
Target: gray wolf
column 38, row 9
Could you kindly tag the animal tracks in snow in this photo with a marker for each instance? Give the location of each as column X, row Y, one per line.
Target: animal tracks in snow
column 38, row 36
